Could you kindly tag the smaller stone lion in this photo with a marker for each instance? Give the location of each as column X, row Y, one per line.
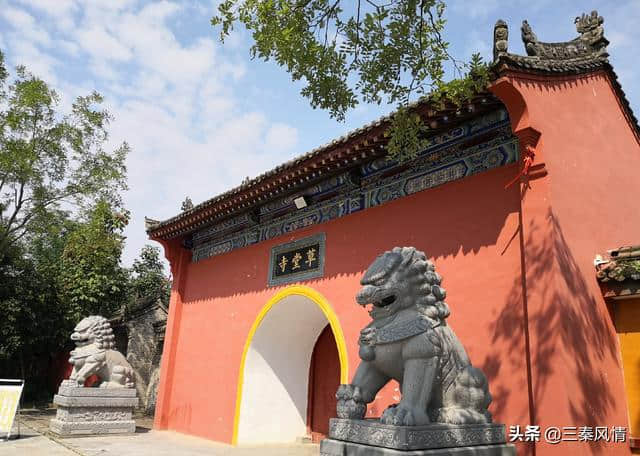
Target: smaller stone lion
column 95, row 354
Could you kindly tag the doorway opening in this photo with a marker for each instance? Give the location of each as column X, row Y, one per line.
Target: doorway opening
column 324, row 379
column 275, row 401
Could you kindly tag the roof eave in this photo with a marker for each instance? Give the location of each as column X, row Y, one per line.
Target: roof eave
column 362, row 145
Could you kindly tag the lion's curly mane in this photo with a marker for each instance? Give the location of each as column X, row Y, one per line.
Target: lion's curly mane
column 424, row 281
column 101, row 329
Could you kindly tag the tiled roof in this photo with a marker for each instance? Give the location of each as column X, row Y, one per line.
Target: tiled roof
column 619, row 265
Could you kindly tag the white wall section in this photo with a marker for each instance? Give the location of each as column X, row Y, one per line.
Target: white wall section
column 276, row 373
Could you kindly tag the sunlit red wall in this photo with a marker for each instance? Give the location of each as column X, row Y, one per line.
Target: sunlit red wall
column 582, row 207
column 469, row 228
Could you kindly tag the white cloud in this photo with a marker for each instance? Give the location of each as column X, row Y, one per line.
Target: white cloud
column 281, row 137
column 61, row 10
column 173, row 100
column 101, row 44
column 69, row 47
column 178, row 97
column 24, row 24
column 37, row 62
column 51, row 7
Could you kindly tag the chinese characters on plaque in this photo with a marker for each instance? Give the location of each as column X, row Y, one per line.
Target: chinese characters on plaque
column 299, row 260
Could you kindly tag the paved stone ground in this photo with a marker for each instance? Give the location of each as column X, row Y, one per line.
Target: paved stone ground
column 35, row 440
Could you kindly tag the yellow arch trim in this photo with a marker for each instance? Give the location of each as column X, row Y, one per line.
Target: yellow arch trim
column 328, row 312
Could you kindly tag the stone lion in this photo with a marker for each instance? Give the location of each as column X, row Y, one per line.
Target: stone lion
column 408, row 340
column 95, row 354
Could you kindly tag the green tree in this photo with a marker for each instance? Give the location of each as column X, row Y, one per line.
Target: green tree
column 61, row 222
column 148, row 282
column 33, row 323
column 348, row 52
column 48, row 158
column 91, row 278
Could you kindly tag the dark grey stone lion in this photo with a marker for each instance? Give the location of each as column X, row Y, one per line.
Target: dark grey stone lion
column 408, row 340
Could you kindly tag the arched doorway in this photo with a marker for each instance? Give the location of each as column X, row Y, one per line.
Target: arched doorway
column 324, row 379
column 273, row 388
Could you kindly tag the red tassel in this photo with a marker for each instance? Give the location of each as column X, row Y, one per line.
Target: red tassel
column 526, row 164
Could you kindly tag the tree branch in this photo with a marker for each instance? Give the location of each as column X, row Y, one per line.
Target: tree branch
column 441, row 42
column 21, row 225
column 17, row 207
column 302, row 4
column 326, row 13
column 357, row 48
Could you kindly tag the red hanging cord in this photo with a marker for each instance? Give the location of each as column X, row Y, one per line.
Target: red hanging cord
column 529, row 156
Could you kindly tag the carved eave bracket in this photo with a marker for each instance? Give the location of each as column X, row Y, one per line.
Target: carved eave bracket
column 586, row 52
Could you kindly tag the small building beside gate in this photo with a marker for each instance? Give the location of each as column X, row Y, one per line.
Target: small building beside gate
column 516, row 193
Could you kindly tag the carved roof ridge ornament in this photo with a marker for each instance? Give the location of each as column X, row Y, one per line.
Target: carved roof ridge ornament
column 585, row 54
column 500, row 39
column 187, row 204
column 150, row 223
column 589, row 47
column 591, row 42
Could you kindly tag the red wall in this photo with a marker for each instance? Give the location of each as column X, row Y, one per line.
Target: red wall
column 584, row 206
column 468, row 227
column 481, row 237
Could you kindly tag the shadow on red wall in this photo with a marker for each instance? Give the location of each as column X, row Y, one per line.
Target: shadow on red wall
column 571, row 321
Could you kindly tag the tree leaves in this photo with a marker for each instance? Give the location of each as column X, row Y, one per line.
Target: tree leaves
column 48, row 158
column 148, row 281
column 351, row 52
column 389, row 50
column 408, row 133
column 91, row 279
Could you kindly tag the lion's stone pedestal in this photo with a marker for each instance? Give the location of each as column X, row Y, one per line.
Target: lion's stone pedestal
column 90, row 411
column 349, row 437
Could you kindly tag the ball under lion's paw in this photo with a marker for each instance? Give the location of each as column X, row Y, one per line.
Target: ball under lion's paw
column 403, row 415
column 70, row 383
column 75, row 381
column 350, row 403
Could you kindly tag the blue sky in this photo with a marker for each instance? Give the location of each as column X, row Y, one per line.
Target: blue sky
column 201, row 116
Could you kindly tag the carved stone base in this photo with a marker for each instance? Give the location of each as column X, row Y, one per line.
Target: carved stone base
column 68, row 428
column 430, row 436
column 89, row 411
column 330, row 447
